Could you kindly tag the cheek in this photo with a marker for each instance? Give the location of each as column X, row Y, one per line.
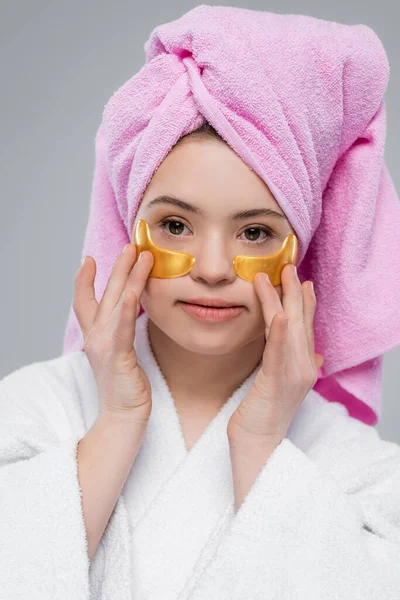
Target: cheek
column 153, row 290
column 162, row 291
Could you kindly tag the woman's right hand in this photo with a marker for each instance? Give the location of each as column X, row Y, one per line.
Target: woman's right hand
column 109, row 332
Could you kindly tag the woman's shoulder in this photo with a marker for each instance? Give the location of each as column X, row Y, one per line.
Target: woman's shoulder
column 340, row 443
column 50, row 389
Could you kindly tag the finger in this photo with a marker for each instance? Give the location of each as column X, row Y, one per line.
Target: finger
column 293, row 302
column 124, row 265
column 269, row 299
column 275, row 352
column 125, row 314
column 125, row 326
column 292, row 294
column 310, row 304
column 84, row 303
column 116, row 281
column 137, row 279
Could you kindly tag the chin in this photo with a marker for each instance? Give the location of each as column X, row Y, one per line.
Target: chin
column 209, row 338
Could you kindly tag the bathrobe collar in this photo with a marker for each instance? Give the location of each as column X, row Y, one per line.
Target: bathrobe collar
column 175, row 501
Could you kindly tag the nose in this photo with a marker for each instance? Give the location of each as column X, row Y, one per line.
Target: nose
column 214, row 262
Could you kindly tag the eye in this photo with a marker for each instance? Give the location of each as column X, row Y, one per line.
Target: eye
column 267, row 232
column 177, row 225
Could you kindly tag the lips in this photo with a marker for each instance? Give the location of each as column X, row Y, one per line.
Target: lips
column 211, row 314
column 211, row 303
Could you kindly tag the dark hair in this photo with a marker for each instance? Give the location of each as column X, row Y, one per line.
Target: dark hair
column 206, row 129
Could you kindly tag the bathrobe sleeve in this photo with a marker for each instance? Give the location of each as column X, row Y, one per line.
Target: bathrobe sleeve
column 304, row 531
column 43, row 546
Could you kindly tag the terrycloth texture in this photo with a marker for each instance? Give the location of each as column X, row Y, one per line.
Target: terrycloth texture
column 301, row 101
column 321, row 521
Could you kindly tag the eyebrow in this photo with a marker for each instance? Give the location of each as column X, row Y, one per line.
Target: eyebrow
column 244, row 214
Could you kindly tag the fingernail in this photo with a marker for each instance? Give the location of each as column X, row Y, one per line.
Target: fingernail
column 83, row 260
column 125, row 248
column 312, row 286
column 266, row 278
column 140, row 256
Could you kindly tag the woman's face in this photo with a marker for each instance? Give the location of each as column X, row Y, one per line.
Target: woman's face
column 208, row 175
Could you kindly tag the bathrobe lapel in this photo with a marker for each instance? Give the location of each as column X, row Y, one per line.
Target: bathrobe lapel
column 174, row 501
column 176, row 498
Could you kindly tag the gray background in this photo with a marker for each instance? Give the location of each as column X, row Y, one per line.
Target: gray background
column 60, row 63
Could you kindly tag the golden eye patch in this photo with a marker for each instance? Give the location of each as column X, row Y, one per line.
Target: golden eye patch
column 169, row 264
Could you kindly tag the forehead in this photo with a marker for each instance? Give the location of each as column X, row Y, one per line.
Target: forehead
column 206, row 177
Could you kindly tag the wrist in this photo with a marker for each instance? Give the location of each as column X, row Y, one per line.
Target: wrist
column 242, row 439
column 249, row 455
column 250, row 444
column 127, row 419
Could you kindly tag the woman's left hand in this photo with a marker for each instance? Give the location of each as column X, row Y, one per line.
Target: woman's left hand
column 289, row 364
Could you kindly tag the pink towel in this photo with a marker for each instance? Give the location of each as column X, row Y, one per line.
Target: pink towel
column 301, row 101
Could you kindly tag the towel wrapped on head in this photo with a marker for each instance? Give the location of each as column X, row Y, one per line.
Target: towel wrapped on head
column 301, row 101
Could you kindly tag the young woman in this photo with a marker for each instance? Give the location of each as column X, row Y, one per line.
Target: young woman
column 179, row 452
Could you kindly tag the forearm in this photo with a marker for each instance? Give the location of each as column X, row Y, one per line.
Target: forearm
column 105, row 456
column 247, row 460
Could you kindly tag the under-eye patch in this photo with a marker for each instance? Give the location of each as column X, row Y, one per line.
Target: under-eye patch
column 169, row 264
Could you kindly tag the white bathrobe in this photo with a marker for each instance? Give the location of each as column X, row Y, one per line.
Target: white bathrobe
column 321, row 521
